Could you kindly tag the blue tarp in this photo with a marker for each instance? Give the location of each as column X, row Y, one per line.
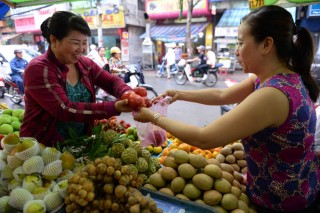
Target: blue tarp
column 312, row 24
column 232, row 17
column 174, row 33
column 4, row 8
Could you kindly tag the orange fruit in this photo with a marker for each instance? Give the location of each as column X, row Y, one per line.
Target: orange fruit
column 185, row 147
column 165, row 152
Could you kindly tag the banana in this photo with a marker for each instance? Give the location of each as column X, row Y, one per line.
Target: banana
column 3, row 106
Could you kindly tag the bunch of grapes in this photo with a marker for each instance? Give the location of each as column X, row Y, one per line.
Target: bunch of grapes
column 106, row 185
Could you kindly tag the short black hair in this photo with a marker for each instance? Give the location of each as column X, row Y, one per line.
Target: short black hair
column 61, row 23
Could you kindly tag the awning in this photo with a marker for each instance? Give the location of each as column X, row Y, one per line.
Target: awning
column 232, row 17
column 174, row 33
column 9, row 36
column 24, row 3
column 230, row 21
column 3, row 10
column 312, row 24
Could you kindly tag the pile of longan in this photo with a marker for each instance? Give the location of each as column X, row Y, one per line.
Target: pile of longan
column 105, row 185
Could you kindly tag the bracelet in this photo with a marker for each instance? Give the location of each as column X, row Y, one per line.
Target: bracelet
column 156, row 118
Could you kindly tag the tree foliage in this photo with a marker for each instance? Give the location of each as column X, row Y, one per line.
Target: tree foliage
column 191, row 5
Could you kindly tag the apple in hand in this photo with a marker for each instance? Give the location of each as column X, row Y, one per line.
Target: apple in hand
column 135, row 101
column 126, row 94
column 141, row 91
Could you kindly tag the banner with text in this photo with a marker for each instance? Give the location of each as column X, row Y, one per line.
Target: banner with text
column 259, row 3
column 162, row 9
column 112, row 16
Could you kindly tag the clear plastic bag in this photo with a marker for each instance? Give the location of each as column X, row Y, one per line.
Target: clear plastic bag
column 150, row 134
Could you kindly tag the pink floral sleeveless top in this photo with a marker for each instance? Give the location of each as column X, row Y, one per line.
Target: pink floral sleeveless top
column 283, row 169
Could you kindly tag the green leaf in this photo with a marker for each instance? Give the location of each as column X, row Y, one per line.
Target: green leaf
column 72, row 133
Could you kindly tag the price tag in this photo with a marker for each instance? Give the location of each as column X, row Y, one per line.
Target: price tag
column 253, row 4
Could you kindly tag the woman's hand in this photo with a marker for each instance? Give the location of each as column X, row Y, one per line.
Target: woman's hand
column 174, row 94
column 144, row 115
column 122, row 106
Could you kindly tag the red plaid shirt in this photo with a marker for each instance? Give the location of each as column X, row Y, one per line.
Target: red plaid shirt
column 46, row 101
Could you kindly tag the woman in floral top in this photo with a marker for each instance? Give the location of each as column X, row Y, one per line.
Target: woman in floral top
column 275, row 117
column 117, row 66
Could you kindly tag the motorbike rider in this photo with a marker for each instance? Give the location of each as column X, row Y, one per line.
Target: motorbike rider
column 116, row 64
column 170, row 57
column 202, row 59
column 18, row 65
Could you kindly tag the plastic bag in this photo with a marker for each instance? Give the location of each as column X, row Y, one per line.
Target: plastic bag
column 150, row 134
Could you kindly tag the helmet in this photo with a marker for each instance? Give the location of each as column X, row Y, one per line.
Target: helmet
column 17, row 51
column 201, row 47
column 115, row 50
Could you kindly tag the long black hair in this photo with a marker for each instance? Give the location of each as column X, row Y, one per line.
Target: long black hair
column 61, row 23
column 294, row 44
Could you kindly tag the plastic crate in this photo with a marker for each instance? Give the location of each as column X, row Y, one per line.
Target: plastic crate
column 160, row 154
column 171, row 204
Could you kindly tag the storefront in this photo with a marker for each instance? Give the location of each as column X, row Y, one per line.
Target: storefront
column 167, row 28
column 111, row 23
column 27, row 26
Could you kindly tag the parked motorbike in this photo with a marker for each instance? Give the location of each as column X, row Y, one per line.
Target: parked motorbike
column 135, row 79
column 162, row 69
column 207, row 76
column 10, row 89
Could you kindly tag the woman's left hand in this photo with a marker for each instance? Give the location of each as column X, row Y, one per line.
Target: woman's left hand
column 144, row 115
column 122, row 106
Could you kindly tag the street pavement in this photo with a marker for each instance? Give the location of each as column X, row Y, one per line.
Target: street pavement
column 191, row 113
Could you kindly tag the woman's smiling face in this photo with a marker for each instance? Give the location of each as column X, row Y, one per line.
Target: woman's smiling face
column 70, row 48
column 247, row 50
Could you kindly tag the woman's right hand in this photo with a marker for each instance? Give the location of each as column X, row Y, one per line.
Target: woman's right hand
column 174, row 94
column 122, row 106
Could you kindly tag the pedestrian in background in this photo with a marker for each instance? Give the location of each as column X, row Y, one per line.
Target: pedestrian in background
column 178, row 53
column 170, row 57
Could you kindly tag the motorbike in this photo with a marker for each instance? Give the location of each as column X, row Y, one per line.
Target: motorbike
column 134, row 77
column 207, row 76
column 10, row 89
column 162, row 69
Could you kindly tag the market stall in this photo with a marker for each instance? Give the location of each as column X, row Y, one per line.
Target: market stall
column 111, row 171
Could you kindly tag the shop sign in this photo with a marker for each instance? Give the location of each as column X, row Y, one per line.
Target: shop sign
column 43, row 14
column 125, row 50
column 125, row 35
column 112, row 16
column 259, row 3
column 24, row 24
column 314, row 10
column 162, row 9
column 226, row 31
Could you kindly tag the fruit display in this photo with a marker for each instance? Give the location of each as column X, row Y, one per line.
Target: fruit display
column 10, row 121
column 157, row 150
column 177, row 144
column 233, row 154
column 34, row 178
column 193, row 177
column 106, row 185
